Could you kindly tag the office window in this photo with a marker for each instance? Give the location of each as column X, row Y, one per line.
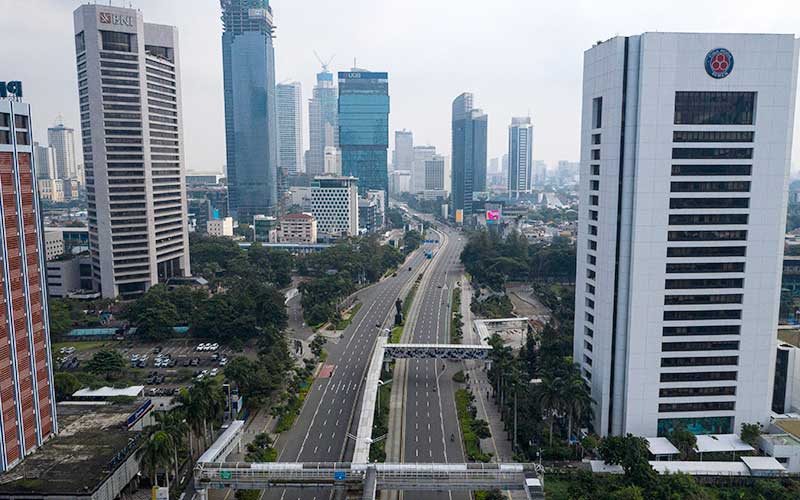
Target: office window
column 589, row 317
column 80, row 43
column 695, row 392
column 677, row 300
column 684, row 203
column 702, row 315
column 697, row 376
column 587, row 360
column 21, row 121
column 588, row 331
column 712, row 169
column 710, row 187
column 589, row 302
column 595, row 139
column 591, row 259
column 5, row 119
column 714, row 108
column 587, row 345
column 162, row 52
column 595, row 169
column 593, row 214
column 716, row 345
column 597, row 112
column 593, row 230
column 711, row 136
column 120, row 42
column 594, row 200
column 594, row 185
column 592, row 245
column 706, row 251
column 704, row 406
column 706, row 267
column 704, row 283
column 590, row 274
column 707, row 219
column 712, row 153
column 699, row 361
column 589, row 288
column 595, row 154
column 707, row 235
column 682, row 331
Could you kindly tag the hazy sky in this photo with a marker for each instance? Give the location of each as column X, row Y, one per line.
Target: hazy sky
column 516, row 56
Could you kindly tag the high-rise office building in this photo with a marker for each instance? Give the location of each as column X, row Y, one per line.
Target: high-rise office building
column 62, row 140
column 364, row 127
column 683, row 192
column 403, row 154
column 130, row 101
column 323, row 122
column 46, row 165
column 289, row 98
column 421, row 155
column 539, row 172
column 28, row 418
column 434, row 173
column 468, row 171
column 251, row 135
column 334, row 203
column 520, row 156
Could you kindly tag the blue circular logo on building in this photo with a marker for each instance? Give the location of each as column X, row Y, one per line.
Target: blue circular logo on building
column 719, row 63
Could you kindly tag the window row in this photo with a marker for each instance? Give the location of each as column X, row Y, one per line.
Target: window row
column 702, row 315
column 705, row 267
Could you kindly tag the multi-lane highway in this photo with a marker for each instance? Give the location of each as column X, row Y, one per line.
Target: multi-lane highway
column 430, row 427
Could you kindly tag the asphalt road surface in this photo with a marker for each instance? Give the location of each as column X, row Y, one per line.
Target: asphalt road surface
column 430, row 411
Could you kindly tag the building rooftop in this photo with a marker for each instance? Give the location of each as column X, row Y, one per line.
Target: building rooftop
column 661, row 446
column 721, row 443
column 92, row 443
column 791, row 426
column 109, row 392
column 302, row 216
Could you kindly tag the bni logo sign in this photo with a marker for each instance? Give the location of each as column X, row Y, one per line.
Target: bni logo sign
column 719, row 63
column 116, row 19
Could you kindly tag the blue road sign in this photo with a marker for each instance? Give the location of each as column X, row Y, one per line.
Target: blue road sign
column 339, row 475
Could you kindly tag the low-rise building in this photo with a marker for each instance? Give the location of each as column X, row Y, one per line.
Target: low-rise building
column 298, row 228
column 69, row 276
column 265, row 228
column 334, row 203
column 53, row 244
column 51, row 190
column 220, row 227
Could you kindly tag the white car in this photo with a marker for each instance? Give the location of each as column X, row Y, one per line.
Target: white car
column 199, row 347
column 214, row 346
column 213, row 372
column 223, row 361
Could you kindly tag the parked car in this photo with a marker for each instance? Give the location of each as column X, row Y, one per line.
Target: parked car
column 195, row 362
column 214, row 346
column 213, row 372
column 214, row 357
column 223, row 361
column 187, row 362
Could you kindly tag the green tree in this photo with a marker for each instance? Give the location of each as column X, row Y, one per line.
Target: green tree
column 750, row 433
column 107, row 363
column 154, row 315
column 175, row 426
column 60, row 318
column 684, row 440
column 155, row 455
column 632, row 454
column 65, row 385
column 261, row 449
column 550, row 394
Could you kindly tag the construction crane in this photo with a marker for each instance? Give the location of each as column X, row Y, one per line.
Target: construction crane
column 324, row 64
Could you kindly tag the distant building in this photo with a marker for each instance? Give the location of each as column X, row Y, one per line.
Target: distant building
column 53, row 244
column 220, row 227
column 133, row 148
column 62, row 140
column 539, row 173
column 567, row 172
column 520, row 156
column 401, row 182
column 421, row 155
column 51, row 190
column 264, row 227
column 28, row 418
column 69, row 276
column 289, row 98
column 298, row 228
column 364, row 127
column 333, row 161
column 251, row 125
column 403, row 154
column 469, row 129
column 46, row 167
column 75, row 238
column 323, row 122
column 381, row 204
column 334, row 203
column 300, row 196
column 434, row 173
column 202, row 179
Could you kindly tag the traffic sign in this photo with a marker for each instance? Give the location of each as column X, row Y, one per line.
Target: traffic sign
column 339, row 475
column 225, row 474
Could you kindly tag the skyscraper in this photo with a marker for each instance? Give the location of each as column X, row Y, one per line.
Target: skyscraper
column 28, row 418
column 130, row 99
column 403, row 155
column 323, row 122
column 468, row 170
column 520, row 156
column 434, row 173
column 290, row 126
column 421, row 155
column 683, row 193
column 62, row 140
column 251, row 135
column 364, row 128
column 46, row 167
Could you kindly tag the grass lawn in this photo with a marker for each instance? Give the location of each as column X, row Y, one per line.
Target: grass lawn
column 345, row 322
column 556, row 488
column 84, row 345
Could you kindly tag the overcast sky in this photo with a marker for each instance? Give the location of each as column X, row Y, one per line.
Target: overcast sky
column 516, row 56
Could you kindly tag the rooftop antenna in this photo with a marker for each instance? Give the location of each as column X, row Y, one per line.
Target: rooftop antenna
column 324, row 63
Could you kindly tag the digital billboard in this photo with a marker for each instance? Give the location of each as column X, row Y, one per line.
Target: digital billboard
column 492, row 216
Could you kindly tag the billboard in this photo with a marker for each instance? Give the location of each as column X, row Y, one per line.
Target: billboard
column 459, row 216
column 492, row 216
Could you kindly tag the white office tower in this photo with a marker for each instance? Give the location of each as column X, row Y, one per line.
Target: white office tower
column 130, row 103
column 62, row 140
column 334, row 203
column 520, row 156
column 403, row 154
column 421, row 155
column 45, row 161
column 289, row 98
column 685, row 149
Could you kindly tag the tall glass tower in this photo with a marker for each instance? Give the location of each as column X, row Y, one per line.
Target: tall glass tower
column 364, row 128
column 468, row 175
column 323, row 122
column 248, row 61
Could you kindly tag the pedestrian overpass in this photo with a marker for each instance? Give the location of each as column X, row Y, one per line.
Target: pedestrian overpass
column 213, row 472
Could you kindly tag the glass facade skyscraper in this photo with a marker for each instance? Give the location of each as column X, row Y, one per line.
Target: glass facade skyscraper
column 364, row 128
column 520, row 154
column 323, row 122
column 468, row 174
column 248, row 60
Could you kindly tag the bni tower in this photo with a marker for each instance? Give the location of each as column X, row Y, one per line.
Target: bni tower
column 364, row 128
column 251, row 136
column 28, row 416
column 469, row 135
column 130, row 102
column 685, row 149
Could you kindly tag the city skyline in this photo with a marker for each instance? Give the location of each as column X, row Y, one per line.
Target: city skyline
column 555, row 75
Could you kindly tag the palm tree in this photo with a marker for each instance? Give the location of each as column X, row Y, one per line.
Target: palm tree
column 550, row 394
column 156, row 454
column 578, row 398
column 193, row 409
column 176, row 428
